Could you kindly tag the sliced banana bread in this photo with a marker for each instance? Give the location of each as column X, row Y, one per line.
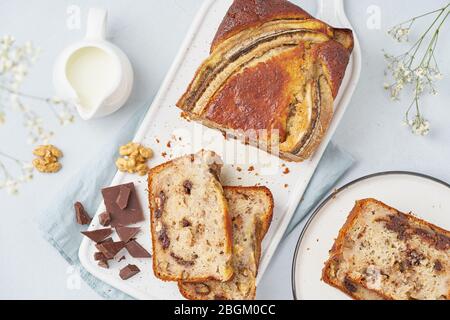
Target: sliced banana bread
column 251, row 213
column 381, row 253
column 190, row 225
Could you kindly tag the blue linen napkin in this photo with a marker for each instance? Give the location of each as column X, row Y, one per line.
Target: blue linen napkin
column 60, row 230
column 334, row 163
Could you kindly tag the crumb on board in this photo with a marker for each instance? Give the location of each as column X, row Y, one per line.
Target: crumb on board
column 286, row 185
column 286, row 170
column 169, row 144
column 239, row 169
column 164, row 154
column 251, row 168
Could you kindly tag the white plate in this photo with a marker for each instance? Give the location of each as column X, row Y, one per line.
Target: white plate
column 426, row 197
column 163, row 122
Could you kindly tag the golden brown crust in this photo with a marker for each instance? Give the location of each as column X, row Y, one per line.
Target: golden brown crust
column 334, row 59
column 337, row 248
column 258, row 98
column 229, row 248
column 245, row 14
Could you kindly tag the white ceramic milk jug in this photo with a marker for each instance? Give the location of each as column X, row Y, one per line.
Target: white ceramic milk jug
column 94, row 74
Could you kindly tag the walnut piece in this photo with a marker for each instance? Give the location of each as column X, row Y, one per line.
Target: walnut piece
column 133, row 158
column 47, row 158
column 202, row 288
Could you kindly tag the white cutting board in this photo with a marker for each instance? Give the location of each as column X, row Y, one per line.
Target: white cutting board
column 164, row 124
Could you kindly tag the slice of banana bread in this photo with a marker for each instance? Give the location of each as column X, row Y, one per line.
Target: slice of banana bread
column 386, row 254
column 190, row 225
column 251, row 213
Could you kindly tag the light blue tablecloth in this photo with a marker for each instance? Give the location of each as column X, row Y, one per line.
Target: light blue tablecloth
column 58, row 223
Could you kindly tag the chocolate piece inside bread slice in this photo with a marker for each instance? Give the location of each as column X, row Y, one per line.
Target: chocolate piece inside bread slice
column 386, row 254
column 271, row 77
column 251, row 213
column 190, row 224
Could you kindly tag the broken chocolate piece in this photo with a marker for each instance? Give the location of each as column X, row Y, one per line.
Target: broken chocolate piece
column 126, row 233
column 98, row 235
column 110, row 249
column 104, row 219
column 187, row 185
column 186, row 223
column 136, row 250
column 122, row 198
column 122, row 217
column 103, row 264
column 107, row 240
column 80, row 214
column 99, row 256
column 128, row 271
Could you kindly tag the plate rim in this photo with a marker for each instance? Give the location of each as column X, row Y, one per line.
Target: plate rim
column 339, row 190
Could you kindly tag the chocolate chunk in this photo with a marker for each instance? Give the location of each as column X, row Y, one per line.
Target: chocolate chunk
column 349, row 285
column 187, row 185
column 414, row 258
column 81, row 215
column 122, row 217
column 164, row 238
column 437, row 266
column 122, row 198
column 128, row 271
column 136, row 250
column 181, row 261
column 104, row 219
column 186, row 223
column 126, row 233
column 107, row 240
column 99, row 256
column 98, row 235
column 103, row 264
column 110, row 249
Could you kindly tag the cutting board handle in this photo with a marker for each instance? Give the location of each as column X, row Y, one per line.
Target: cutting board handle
column 332, row 11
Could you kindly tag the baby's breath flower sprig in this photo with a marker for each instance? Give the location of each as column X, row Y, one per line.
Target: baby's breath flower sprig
column 12, row 182
column 15, row 62
column 417, row 68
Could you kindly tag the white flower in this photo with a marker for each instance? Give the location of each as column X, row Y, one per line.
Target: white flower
column 420, row 72
column 420, row 126
column 399, row 33
column 7, row 41
column 56, row 100
column 11, row 186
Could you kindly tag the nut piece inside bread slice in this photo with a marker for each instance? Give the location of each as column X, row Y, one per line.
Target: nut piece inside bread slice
column 190, row 225
column 251, row 213
column 386, row 254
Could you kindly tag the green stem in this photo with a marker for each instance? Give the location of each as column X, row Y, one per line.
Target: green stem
column 424, row 15
column 25, row 95
column 417, row 44
column 10, row 157
column 5, row 172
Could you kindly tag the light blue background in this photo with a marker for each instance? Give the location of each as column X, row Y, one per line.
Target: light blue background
column 150, row 32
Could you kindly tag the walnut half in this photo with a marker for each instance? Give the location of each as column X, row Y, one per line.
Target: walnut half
column 47, row 158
